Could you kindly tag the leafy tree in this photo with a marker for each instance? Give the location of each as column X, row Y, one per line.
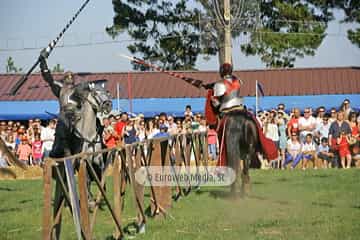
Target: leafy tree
column 10, row 66
column 352, row 13
column 170, row 33
column 57, row 68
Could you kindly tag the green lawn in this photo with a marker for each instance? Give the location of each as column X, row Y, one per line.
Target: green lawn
column 322, row 204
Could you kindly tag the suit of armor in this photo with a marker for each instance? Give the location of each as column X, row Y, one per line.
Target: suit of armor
column 227, row 94
column 65, row 92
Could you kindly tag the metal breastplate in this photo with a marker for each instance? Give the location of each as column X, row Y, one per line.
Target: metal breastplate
column 231, row 100
column 67, row 104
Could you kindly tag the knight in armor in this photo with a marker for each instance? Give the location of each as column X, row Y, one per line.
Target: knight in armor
column 224, row 95
column 66, row 93
column 227, row 91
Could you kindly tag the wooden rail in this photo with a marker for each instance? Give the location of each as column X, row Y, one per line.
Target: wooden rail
column 126, row 160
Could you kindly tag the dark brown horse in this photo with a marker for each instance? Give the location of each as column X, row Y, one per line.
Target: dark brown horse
column 242, row 142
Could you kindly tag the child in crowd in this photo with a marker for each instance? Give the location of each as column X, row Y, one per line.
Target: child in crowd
column 325, row 154
column 24, row 151
column 188, row 111
column 308, row 150
column 344, row 150
column 37, row 149
column 212, row 140
column 293, row 153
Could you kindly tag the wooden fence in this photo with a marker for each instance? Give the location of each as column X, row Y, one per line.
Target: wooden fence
column 175, row 150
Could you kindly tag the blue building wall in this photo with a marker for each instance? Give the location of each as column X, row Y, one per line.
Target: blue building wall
column 23, row 110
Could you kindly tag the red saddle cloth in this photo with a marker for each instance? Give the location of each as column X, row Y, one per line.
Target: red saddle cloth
column 210, row 114
column 267, row 146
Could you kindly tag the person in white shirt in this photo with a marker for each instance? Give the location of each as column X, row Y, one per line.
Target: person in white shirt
column 320, row 116
column 47, row 136
column 308, row 150
column 324, row 153
column 307, row 124
column 272, row 131
column 322, row 130
column 293, row 152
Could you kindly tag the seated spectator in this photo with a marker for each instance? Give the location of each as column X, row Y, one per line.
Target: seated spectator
column 308, row 150
column 24, row 151
column 293, row 151
column 324, row 153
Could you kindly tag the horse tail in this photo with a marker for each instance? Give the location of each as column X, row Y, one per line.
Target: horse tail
column 251, row 133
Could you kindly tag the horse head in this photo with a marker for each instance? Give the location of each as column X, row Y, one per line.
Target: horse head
column 94, row 99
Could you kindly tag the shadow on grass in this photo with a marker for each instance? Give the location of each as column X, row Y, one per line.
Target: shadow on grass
column 320, row 176
column 9, row 210
column 25, row 201
column 322, row 204
column 356, row 207
column 7, row 189
column 283, row 179
column 258, row 183
column 224, row 194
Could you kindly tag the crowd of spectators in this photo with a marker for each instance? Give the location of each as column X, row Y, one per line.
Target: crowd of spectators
column 328, row 137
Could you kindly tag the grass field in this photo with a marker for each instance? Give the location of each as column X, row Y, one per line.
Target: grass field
column 322, row 204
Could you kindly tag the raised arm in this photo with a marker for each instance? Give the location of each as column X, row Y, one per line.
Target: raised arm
column 46, row 74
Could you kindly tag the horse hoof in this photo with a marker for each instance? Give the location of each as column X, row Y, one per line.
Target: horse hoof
column 177, row 197
column 188, row 191
column 141, row 228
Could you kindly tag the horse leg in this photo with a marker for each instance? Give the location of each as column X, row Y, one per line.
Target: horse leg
column 233, row 159
column 245, row 177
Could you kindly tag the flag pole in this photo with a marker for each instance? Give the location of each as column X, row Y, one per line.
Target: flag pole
column 256, row 98
column 118, row 96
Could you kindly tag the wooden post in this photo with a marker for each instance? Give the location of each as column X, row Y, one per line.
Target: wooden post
column 47, row 217
column 117, row 194
column 205, row 151
column 84, row 203
column 160, row 158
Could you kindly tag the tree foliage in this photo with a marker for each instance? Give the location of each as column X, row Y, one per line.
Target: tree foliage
column 10, row 66
column 169, row 33
column 57, row 69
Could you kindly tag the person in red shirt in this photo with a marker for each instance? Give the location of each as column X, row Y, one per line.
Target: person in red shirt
column 24, row 150
column 293, row 124
column 37, row 150
column 344, row 149
column 110, row 137
column 119, row 126
column 212, row 143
